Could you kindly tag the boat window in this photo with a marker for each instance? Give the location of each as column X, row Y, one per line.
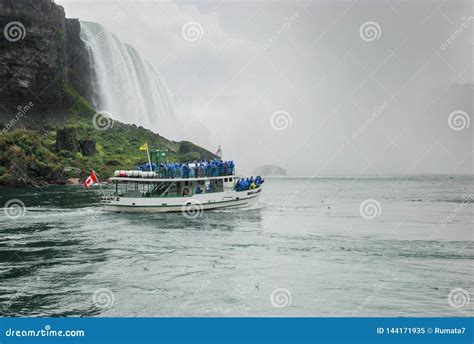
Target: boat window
column 218, row 185
column 225, row 180
column 186, row 183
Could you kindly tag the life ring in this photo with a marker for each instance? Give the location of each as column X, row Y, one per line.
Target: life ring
column 185, row 191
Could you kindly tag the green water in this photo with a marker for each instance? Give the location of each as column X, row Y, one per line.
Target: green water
column 304, row 250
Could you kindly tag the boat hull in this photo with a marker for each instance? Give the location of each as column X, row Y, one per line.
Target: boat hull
column 190, row 205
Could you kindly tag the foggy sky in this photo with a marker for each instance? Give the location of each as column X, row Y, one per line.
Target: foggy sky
column 356, row 107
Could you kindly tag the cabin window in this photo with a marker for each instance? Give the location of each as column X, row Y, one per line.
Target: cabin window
column 225, row 180
column 186, row 183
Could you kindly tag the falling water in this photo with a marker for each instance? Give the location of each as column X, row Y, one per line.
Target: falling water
column 127, row 86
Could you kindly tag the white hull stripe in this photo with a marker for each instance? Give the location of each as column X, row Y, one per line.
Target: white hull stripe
column 178, row 207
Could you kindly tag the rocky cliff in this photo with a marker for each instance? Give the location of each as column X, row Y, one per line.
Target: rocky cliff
column 41, row 52
column 49, row 131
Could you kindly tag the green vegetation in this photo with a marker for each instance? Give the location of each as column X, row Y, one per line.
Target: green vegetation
column 33, row 157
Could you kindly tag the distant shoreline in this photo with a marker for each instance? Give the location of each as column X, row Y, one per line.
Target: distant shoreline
column 392, row 176
column 78, row 181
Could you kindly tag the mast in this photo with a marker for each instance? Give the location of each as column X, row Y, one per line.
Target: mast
column 148, row 155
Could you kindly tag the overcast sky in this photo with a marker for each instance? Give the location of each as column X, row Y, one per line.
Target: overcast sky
column 317, row 87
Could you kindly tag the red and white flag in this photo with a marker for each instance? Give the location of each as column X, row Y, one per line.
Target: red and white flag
column 219, row 152
column 90, row 180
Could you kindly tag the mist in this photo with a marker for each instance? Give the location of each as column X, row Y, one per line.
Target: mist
column 316, row 87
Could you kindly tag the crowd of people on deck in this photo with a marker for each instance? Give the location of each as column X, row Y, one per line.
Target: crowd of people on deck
column 248, row 183
column 196, row 169
column 203, row 168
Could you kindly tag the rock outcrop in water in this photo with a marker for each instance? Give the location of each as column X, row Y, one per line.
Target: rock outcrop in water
column 270, row 170
column 48, row 128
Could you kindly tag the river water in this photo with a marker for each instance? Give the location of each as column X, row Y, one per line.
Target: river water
column 310, row 247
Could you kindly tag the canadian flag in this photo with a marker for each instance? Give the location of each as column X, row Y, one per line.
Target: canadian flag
column 219, row 152
column 90, row 180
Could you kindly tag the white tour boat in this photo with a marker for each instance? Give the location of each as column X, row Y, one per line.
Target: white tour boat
column 143, row 191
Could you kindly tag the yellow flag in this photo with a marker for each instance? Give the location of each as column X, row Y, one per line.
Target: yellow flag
column 144, row 147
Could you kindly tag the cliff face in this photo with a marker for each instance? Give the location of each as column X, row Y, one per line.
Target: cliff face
column 78, row 62
column 41, row 52
column 49, row 130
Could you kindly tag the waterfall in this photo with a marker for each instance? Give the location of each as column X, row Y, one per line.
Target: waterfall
column 127, row 86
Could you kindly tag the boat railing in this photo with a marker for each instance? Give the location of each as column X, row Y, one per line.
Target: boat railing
column 172, row 174
column 190, row 169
